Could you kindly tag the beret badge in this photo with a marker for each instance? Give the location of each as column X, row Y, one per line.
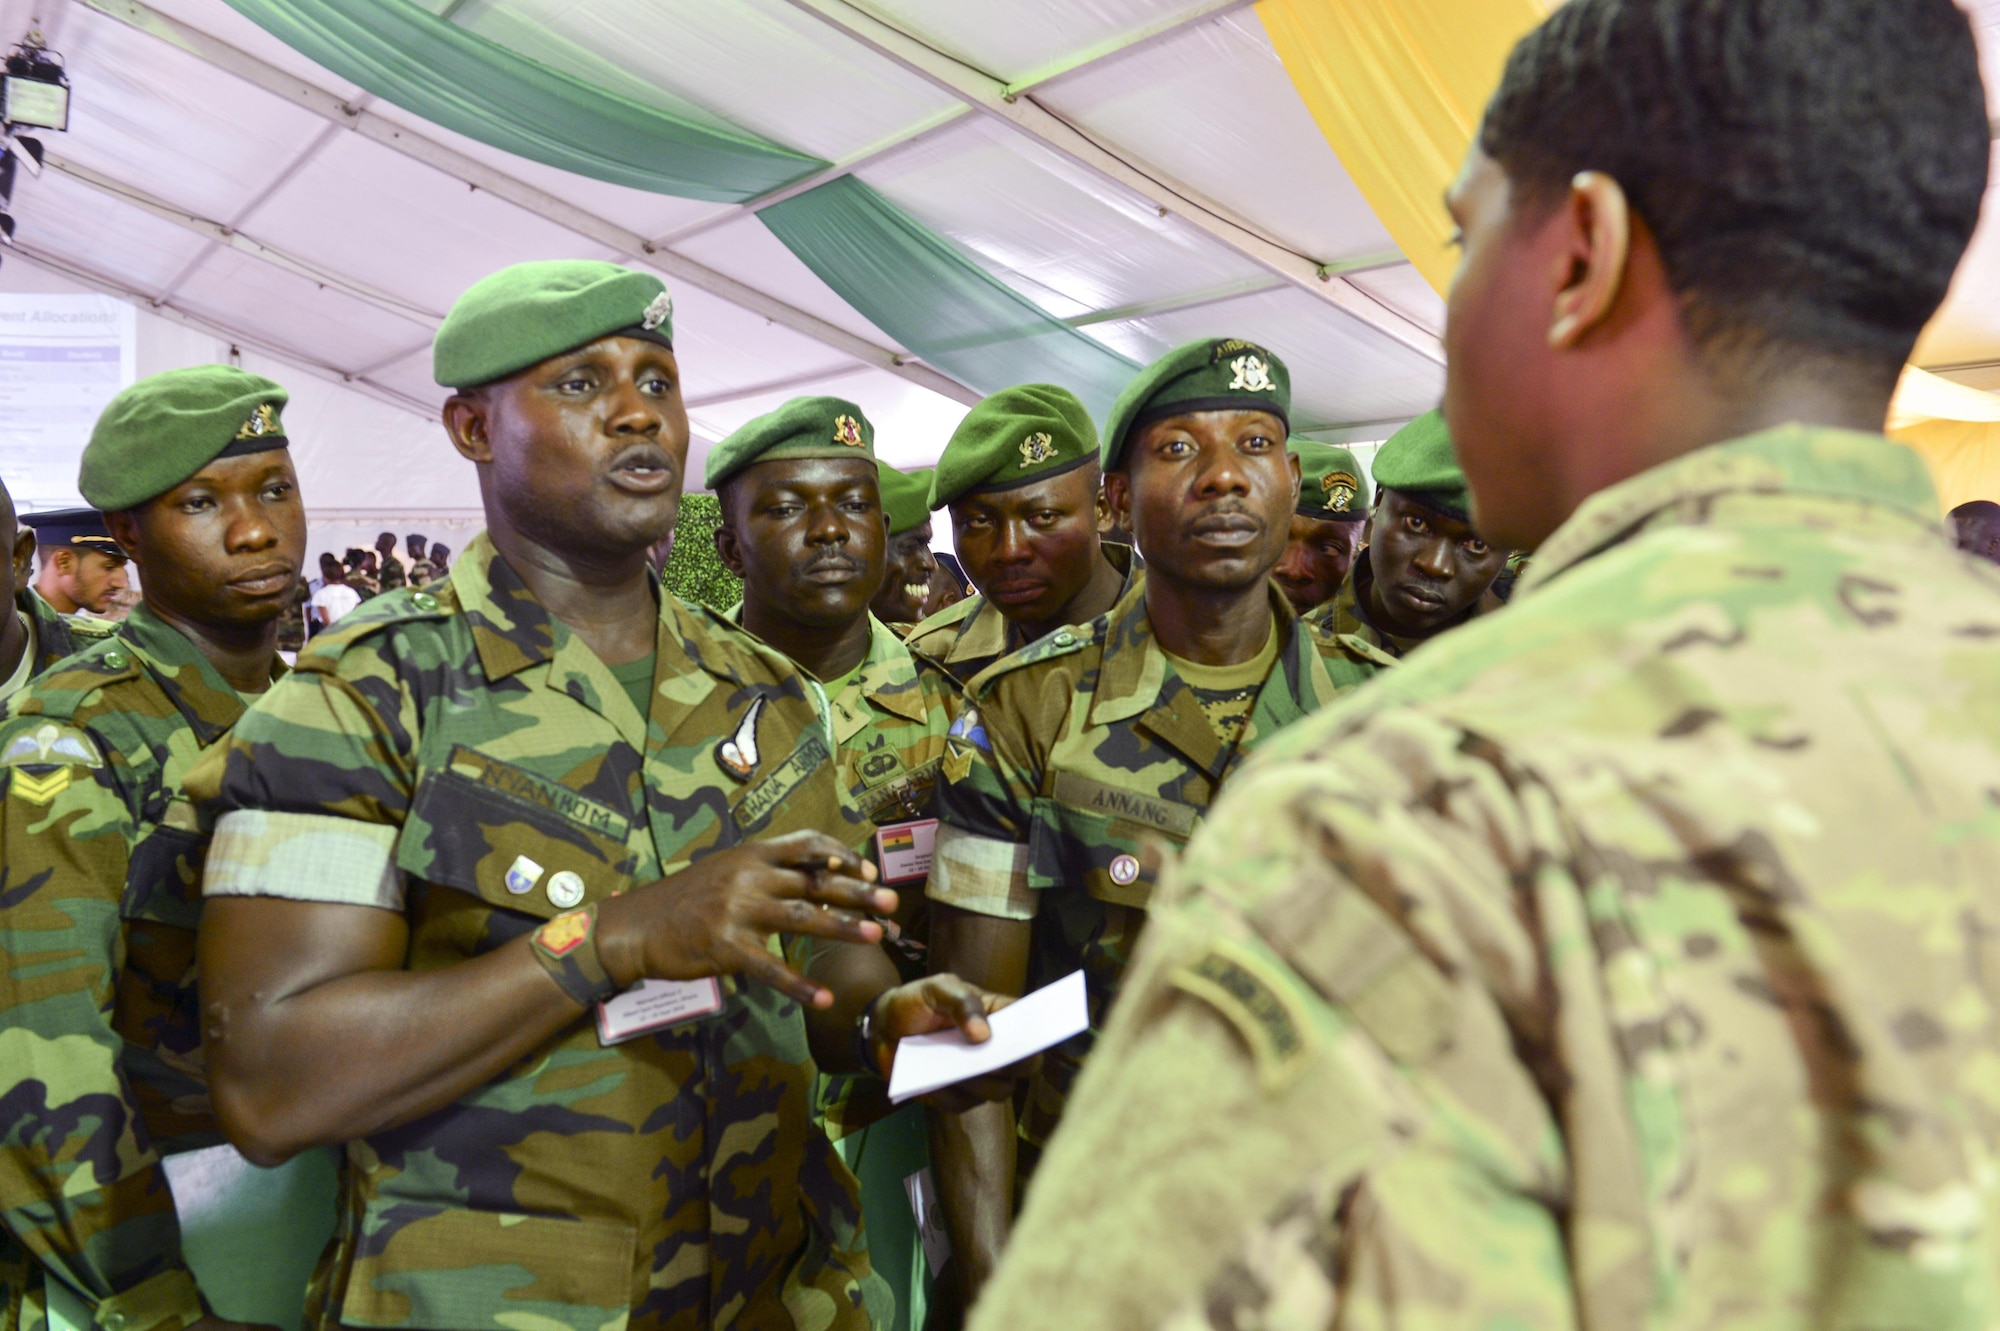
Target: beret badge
column 847, row 430
column 1251, row 374
column 657, row 313
column 263, row 421
column 1340, row 487
column 1037, row 447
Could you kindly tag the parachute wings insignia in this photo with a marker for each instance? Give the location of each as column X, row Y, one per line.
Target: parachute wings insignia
column 738, row 753
column 41, row 763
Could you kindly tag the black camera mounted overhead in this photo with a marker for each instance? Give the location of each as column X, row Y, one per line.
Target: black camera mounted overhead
column 34, row 94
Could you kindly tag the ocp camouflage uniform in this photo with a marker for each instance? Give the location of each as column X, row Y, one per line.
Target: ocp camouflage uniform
column 1623, row 960
column 459, row 756
column 100, row 1036
column 1080, row 760
column 966, row 637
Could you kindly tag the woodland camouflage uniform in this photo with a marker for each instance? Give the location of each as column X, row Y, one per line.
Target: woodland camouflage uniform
column 966, row 637
column 57, row 635
column 1623, row 960
column 1345, row 616
column 100, row 1037
column 457, row 754
column 1079, row 761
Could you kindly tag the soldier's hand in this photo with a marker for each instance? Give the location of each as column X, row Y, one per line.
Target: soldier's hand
column 941, row 1003
column 712, row 918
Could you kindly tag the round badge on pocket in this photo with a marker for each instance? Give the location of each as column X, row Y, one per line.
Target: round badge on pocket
column 565, row 889
column 1124, row 871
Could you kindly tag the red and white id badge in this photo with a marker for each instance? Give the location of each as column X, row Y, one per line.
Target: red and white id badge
column 903, row 850
column 652, row 1005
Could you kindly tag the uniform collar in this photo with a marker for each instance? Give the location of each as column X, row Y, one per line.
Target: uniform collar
column 512, row 632
column 194, row 686
column 1134, row 668
column 984, row 633
column 888, row 678
column 1791, row 459
column 1134, row 680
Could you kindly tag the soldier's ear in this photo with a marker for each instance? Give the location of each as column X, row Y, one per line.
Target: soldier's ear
column 729, row 551
column 24, row 556
column 124, row 529
column 465, row 422
column 1117, row 498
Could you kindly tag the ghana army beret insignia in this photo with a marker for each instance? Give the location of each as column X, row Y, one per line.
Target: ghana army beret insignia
column 905, row 497
column 167, row 427
column 1419, row 460
column 805, row 427
column 1018, row 435
column 1216, row 374
column 1330, row 486
column 521, row 316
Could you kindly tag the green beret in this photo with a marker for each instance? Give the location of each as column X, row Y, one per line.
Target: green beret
column 805, row 427
column 167, row 427
column 1021, row 434
column 1215, row 374
column 1330, row 487
column 905, row 497
column 1419, row 461
column 521, row 316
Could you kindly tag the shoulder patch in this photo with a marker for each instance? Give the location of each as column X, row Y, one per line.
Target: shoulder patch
column 1255, row 999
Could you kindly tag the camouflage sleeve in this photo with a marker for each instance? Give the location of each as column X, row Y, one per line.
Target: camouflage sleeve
column 1307, row 1099
column 985, row 806
column 81, row 1185
column 311, row 787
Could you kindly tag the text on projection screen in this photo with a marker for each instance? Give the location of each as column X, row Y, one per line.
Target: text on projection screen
column 62, row 357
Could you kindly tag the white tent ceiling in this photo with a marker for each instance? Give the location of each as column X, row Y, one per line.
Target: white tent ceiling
column 1141, row 168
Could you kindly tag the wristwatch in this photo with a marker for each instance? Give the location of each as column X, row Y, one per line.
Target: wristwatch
column 864, row 1037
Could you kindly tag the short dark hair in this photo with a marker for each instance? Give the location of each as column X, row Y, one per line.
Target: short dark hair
column 1811, row 169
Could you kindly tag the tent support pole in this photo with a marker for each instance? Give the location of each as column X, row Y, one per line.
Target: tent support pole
column 980, row 90
column 627, row 244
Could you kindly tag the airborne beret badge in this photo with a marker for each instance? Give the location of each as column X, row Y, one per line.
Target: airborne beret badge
column 1340, row 488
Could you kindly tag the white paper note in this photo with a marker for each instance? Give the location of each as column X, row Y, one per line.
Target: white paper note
column 930, row 1219
column 1050, row 1015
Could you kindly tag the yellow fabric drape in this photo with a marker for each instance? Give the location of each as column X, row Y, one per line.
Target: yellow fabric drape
column 1963, row 456
column 1398, row 87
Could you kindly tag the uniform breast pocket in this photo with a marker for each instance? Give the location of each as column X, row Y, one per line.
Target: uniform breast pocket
column 514, row 838
column 1103, row 839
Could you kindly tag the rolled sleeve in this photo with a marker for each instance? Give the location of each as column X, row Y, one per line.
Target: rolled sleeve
column 303, row 857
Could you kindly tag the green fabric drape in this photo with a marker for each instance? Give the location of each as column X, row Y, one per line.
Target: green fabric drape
column 914, row 286
column 481, row 89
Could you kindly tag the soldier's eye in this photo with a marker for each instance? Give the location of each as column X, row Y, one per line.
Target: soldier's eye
column 1477, row 549
column 1417, row 525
